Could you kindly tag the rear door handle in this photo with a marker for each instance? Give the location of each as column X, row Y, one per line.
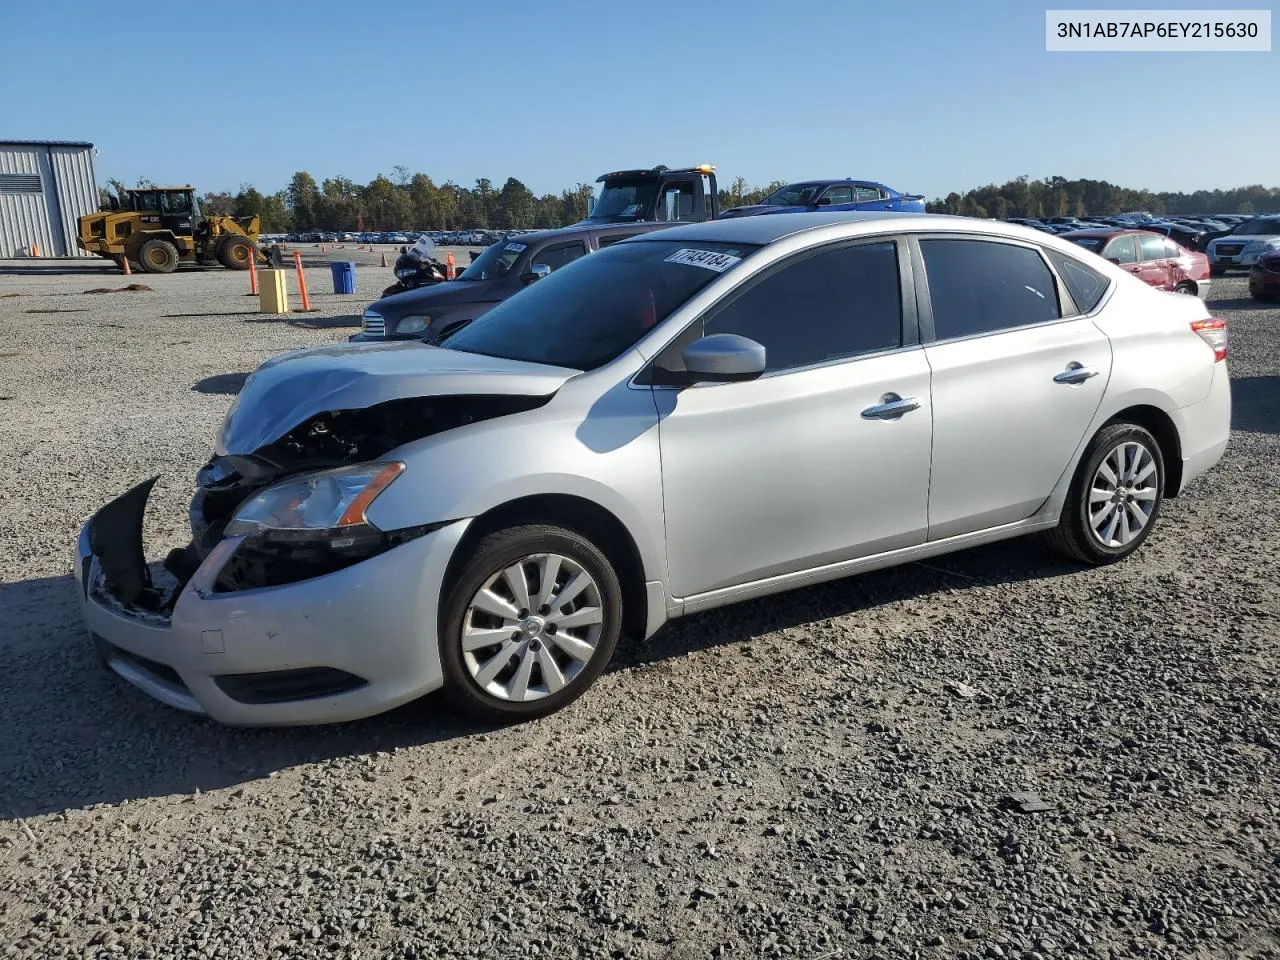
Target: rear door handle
column 1075, row 373
column 891, row 407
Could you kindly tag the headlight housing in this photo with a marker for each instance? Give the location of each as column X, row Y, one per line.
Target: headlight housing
column 415, row 323
column 330, row 501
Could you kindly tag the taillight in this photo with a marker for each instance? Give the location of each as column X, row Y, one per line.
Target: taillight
column 1213, row 332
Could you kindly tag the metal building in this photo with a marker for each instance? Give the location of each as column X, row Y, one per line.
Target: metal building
column 45, row 187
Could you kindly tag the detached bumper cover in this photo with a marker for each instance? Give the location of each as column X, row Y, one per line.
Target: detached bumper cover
column 374, row 622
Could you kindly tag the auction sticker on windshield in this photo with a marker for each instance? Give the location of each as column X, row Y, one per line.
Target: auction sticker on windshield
column 515, row 247
column 708, row 259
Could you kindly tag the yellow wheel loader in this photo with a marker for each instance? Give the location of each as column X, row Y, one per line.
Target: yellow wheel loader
column 158, row 228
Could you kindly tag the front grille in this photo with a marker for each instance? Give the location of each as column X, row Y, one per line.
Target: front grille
column 1228, row 249
column 373, row 326
column 284, row 686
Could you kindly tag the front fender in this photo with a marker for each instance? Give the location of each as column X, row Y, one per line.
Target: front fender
column 605, row 452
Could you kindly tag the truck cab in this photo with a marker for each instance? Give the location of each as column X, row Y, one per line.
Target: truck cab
column 659, row 194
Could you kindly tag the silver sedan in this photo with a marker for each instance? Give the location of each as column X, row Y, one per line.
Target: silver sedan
column 680, row 421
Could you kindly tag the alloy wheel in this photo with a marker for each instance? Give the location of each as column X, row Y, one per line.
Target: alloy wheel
column 1123, row 494
column 532, row 627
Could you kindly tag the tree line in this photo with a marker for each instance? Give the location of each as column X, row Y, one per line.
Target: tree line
column 414, row 201
column 1059, row 197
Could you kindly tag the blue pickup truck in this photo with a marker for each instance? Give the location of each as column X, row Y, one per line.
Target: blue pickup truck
column 832, row 195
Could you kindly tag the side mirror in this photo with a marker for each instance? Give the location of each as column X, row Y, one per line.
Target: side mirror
column 1115, row 260
column 536, row 271
column 824, row 202
column 404, row 249
column 722, row 358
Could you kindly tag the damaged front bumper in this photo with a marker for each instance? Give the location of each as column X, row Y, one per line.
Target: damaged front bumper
column 344, row 645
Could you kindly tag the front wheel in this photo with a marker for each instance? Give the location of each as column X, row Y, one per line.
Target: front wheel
column 1185, row 287
column 236, row 252
column 1115, row 496
column 529, row 622
column 158, row 256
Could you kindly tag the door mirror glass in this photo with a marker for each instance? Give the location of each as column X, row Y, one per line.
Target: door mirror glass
column 723, row 358
column 1115, row 260
column 536, row 271
column 824, row 201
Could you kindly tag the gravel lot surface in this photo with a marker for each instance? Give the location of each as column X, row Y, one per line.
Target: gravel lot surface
column 815, row 775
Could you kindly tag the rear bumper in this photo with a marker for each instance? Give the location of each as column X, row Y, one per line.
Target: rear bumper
column 374, row 621
column 1205, row 427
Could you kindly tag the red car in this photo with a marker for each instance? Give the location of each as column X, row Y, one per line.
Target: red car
column 1264, row 278
column 1149, row 256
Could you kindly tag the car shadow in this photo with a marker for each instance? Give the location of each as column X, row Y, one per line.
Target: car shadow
column 1255, row 404
column 1009, row 561
column 221, row 383
column 308, row 323
column 78, row 735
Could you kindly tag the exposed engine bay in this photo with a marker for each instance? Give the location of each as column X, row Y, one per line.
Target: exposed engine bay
column 325, row 440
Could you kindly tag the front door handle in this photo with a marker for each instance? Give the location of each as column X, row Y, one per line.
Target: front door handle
column 891, row 407
column 1075, row 373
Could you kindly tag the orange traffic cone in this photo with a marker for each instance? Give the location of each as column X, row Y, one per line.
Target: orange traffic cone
column 384, row 259
column 124, row 262
column 35, row 249
column 451, row 268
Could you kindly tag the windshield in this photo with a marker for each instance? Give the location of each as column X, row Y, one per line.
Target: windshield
column 795, row 195
column 589, row 312
column 1258, row 228
column 1089, row 243
column 495, row 262
column 623, row 200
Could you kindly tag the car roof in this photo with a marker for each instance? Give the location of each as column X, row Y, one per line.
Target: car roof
column 578, row 229
column 768, row 228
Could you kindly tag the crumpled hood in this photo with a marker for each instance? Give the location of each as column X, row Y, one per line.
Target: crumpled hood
column 290, row 389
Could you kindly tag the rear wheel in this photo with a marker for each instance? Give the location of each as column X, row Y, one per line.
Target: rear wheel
column 530, row 621
column 1185, row 287
column 235, row 252
column 158, row 256
column 1115, row 496
column 1266, row 296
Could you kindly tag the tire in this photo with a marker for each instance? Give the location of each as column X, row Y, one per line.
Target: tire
column 1185, row 287
column 1215, row 271
column 395, row 288
column 158, row 256
column 530, row 644
column 1264, row 296
column 1074, row 536
column 235, row 252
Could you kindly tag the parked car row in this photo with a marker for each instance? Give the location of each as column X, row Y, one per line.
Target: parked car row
column 460, row 238
column 675, row 419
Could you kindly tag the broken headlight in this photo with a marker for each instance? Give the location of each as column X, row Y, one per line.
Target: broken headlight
column 329, row 501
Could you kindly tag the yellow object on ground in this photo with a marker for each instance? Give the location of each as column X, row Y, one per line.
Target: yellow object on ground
column 273, row 294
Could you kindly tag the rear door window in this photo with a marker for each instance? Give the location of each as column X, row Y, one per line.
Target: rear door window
column 1123, row 249
column 838, row 195
column 984, row 286
column 1152, row 246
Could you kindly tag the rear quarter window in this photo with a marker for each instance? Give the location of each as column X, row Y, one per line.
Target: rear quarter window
column 1086, row 285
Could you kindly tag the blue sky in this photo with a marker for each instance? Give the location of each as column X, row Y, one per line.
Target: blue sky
column 927, row 97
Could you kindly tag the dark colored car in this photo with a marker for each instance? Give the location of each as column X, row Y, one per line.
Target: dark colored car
column 1264, row 278
column 501, row 271
column 831, row 196
column 1151, row 257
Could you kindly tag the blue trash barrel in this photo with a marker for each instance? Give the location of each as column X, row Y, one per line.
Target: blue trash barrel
column 344, row 276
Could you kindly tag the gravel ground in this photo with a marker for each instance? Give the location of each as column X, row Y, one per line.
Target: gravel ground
column 815, row 775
